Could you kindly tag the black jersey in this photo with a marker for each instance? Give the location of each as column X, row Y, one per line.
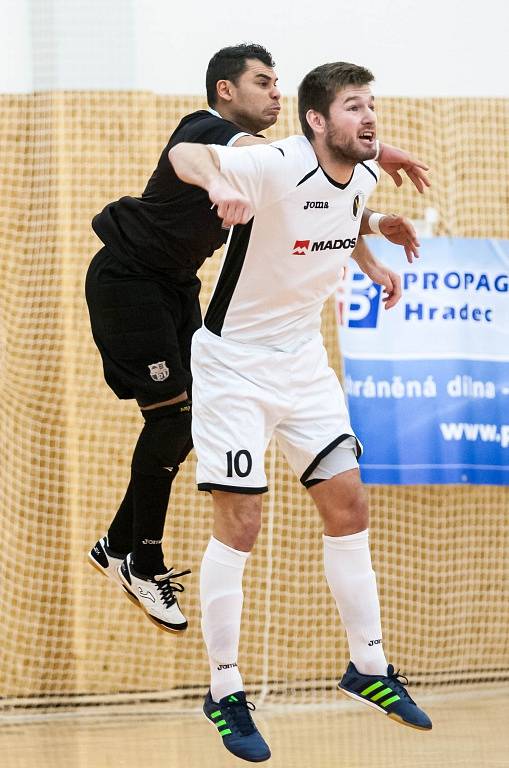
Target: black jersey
column 171, row 228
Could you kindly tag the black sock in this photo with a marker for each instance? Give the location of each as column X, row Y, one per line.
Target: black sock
column 120, row 532
column 151, row 495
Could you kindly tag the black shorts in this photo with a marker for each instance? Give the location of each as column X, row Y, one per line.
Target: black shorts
column 142, row 326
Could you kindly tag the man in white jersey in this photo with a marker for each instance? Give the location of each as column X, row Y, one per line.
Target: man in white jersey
column 260, row 369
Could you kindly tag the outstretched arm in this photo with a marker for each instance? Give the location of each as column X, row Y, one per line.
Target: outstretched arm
column 397, row 229
column 392, row 160
column 198, row 164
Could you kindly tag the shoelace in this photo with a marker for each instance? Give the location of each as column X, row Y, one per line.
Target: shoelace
column 167, row 586
column 399, row 681
column 241, row 715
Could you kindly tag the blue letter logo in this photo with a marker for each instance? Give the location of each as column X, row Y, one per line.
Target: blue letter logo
column 364, row 302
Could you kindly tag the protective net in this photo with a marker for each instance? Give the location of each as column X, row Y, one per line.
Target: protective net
column 70, row 637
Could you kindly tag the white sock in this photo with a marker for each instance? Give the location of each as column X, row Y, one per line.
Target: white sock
column 352, row 581
column 221, row 598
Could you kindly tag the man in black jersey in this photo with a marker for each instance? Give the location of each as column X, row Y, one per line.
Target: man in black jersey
column 142, row 292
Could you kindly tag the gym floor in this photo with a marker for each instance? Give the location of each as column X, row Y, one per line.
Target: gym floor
column 470, row 730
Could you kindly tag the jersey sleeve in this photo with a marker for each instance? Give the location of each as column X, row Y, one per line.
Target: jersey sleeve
column 211, row 130
column 264, row 173
column 373, row 166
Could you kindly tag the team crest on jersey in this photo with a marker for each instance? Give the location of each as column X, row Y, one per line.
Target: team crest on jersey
column 357, row 205
column 300, row 248
column 159, row 371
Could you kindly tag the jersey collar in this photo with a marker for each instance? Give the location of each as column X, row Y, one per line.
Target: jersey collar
column 337, row 183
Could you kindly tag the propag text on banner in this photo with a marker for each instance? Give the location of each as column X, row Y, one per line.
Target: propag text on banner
column 457, row 287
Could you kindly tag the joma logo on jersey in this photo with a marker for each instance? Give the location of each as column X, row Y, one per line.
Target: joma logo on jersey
column 316, row 204
column 301, row 247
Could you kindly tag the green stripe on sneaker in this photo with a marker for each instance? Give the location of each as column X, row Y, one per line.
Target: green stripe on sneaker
column 225, row 732
column 371, row 688
column 220, row 723
column 389, row 701
column 381, row 693
column 215, row 714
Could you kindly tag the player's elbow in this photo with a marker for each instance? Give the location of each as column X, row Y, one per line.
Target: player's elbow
column 178, row 157
column 193, row 163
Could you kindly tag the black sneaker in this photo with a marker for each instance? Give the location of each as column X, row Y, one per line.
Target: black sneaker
column 387, row 694
column 232, row 718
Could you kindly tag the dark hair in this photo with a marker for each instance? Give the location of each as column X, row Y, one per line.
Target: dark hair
column 320, row 86
column 230, row 63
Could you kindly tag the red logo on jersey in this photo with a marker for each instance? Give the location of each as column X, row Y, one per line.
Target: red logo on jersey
column 300, row 248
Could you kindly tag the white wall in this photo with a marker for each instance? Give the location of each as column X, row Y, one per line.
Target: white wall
column 433, row 48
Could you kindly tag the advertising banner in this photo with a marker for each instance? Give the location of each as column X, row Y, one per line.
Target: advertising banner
column 427, row 382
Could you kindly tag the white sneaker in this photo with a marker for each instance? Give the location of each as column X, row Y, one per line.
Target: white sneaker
column 156, row 595
column 106, row 560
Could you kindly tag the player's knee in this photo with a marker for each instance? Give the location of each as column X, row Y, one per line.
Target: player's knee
column 357, row 510
column 249, row 523
column 238, row 517
column 165, row 440
column 351, row 498
column 246, row 518
column 343, row 503
column 244, row 530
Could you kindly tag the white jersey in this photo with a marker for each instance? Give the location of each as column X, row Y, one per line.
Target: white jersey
column 279, row 269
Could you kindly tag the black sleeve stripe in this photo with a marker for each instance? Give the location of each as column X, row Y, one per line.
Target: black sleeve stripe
column 308, row 175
column 369, row 170
column 271, row 145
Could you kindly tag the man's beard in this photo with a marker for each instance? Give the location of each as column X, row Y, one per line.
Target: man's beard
column 346, row 150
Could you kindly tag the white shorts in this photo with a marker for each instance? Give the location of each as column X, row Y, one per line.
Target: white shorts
column 244, row 394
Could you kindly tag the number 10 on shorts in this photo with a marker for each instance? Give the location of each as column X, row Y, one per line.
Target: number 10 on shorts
column 239, row 463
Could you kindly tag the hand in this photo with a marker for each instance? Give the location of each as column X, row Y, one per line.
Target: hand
column 392, row 160
column 400, row 231
column 232, row 207
column 382, row 275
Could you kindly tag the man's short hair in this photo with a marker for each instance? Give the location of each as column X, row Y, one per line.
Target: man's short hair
column 230, row 63
column 320, row 86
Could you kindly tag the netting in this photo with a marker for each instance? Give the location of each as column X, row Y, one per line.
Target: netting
column 65, row 442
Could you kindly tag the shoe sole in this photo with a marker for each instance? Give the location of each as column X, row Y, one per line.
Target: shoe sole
column 134, row 600
column 246, row 759
column 391, row 715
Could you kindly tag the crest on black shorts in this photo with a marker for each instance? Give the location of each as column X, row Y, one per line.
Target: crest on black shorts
column 159, row 371
column 357, row 205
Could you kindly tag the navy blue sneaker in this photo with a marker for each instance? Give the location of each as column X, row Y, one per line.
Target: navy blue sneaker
column 385, row 693
column 232, row 718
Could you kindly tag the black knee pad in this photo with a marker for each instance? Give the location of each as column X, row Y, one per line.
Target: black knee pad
column 165, row 440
